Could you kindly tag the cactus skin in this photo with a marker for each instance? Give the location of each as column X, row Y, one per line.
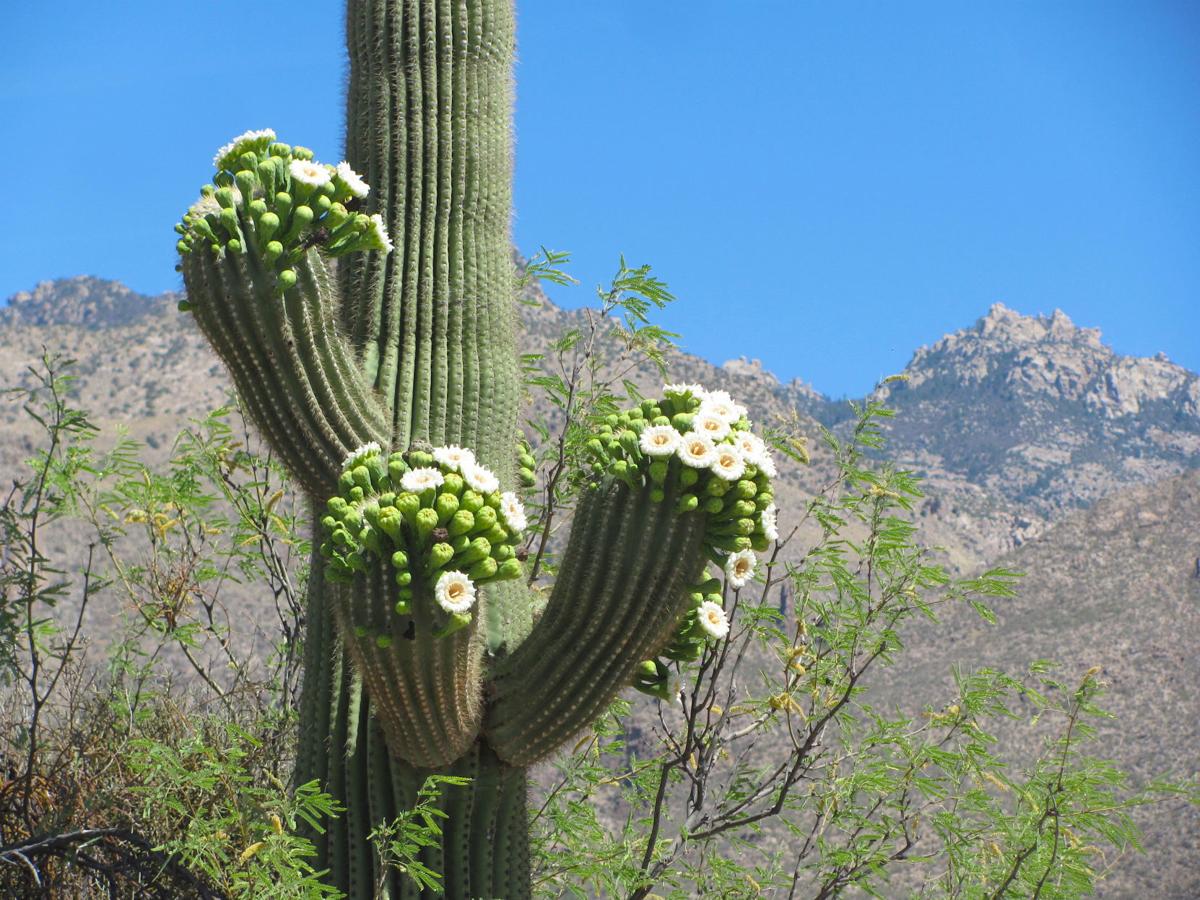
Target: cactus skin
column 415, row 348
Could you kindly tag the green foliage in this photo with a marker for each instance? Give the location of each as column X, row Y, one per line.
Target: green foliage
column 776, row 771
column 398, row 843
column 231, row 822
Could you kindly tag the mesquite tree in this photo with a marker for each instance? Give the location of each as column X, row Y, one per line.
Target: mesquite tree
column 366, row 314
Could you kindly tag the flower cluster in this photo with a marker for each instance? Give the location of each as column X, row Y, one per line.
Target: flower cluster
column 440, row 518
column 276, row 202
column 696, row 447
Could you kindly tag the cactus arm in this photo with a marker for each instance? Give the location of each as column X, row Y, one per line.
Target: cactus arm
column 621, row 590
column 298, row 378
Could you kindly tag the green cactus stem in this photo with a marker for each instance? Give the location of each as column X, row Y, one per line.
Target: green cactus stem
column 365, row 312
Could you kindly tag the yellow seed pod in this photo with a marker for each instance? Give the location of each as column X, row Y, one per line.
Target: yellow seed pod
column 276, row 823
column 249, row 852
column 717, row 711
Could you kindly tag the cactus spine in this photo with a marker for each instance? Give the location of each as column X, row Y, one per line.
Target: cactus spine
column 387, row 382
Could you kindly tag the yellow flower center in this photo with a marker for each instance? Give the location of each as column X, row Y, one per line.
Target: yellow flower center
column 456, row 590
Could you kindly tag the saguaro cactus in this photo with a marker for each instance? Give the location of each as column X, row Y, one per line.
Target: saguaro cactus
column 366, row 315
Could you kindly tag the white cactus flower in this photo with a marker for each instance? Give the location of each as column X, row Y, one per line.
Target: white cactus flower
column 766, row 463
column 720, row 404
column 352, row 180
column 421, row 479
column 728, row 463
column 454, row 592
column 680, row 390
column 751, row 445
column 364, row 452
column 454, row 457
column 481, row 478
column 379, row 235
column 711, row 424
column 713, row 620
column 696, row 450
column 306, row 171
column 659, row 440
column 240, row 144
column 739, row 568
column 770, row 523
column 513, row 511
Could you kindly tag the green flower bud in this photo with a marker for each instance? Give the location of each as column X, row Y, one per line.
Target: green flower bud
column 763, row 500
column 745, row 489
column 229, row 221
column 658, row 471
column 595, row 447
column 403, row 608
column 527, row 477
column 234, row 245
column 460, row 543
column 283, row 205
column 657, row 495
column 710, row 586
column 287, row 280
column 743, row 508
column 660, row 420
column 682, row 422
column 687, row 503
column 453, row 484
column 425, row 521
column 471, row 501
column 611, row 420
column 713, row 505
column 717, row 487
column 408, row 504
column 439, row 555
column 362, row 476
column 527, row 461
column 258, row 208
column 266, row 176
column 356, row 494
column 501, row 551
column 302, row 217
column 271, row 252
column 485, row 518
column 246, row 183
column 496, row 534
column 400, row 559
column 688, row 476
column 268, row 225
column 224, row 196
column 462, row 522
column 629, row 441
column 760, row 543
column 446, row 506
column 457, row 622
column 509, row 569
column 383, row 641
column 336, row 216
column 484, row 570
column 420, row 459
column 479, row 548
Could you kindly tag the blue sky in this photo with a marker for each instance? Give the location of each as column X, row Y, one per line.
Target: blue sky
column 825, row 186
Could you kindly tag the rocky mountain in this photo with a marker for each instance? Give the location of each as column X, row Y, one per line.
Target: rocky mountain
column 1040, row 412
